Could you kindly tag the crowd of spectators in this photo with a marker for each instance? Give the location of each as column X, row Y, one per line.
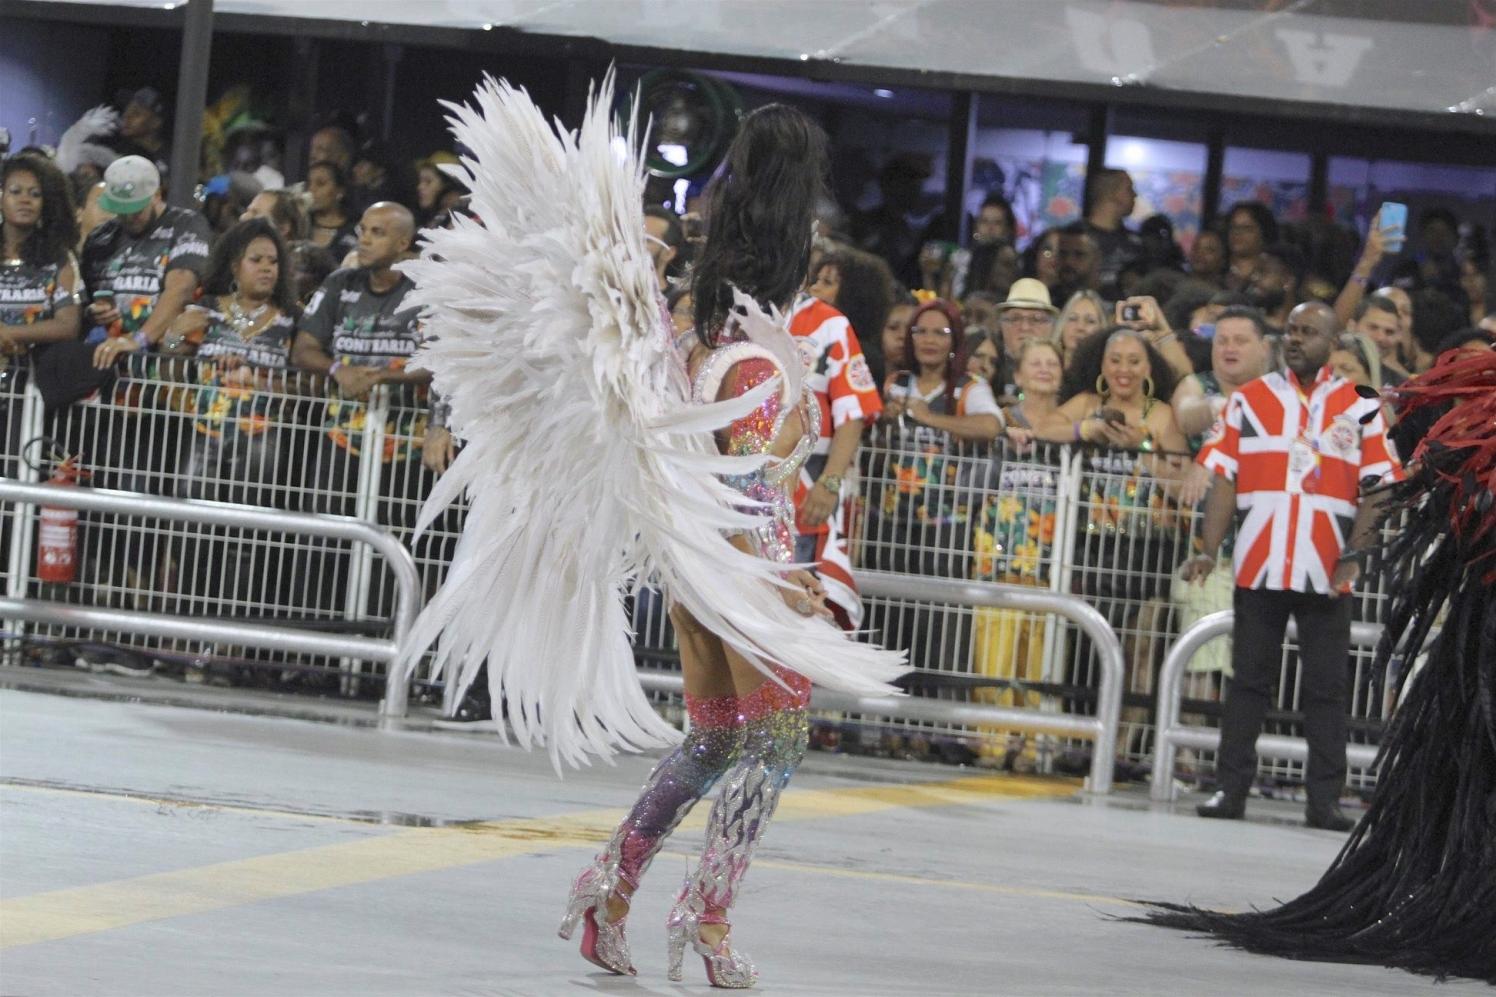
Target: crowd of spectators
column 1093, row 332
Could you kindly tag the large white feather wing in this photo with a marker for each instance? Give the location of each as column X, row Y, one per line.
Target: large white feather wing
column 585, row 468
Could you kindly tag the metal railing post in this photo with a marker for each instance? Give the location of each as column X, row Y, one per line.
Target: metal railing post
column 379, row 538
column 1172, row 735
column 1102, row 728
column 24, row 528
column 366, row 508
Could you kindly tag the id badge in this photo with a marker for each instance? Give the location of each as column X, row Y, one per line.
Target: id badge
column 1301, row 462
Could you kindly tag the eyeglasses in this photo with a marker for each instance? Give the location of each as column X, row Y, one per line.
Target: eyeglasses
column 923, row 330
column 1022, row 318
column 656, row 240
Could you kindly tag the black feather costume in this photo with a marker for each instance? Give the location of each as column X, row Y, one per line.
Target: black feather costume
column 1415, row 885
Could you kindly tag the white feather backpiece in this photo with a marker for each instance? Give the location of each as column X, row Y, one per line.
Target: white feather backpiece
column 586, row 469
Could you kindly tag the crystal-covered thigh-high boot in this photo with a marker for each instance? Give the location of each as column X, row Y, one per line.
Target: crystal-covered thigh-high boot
column 774, row 743
column 682, row 777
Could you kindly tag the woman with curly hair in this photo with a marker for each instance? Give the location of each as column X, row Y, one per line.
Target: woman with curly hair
column 242, row 331
column 38, row 277
column 860, row 286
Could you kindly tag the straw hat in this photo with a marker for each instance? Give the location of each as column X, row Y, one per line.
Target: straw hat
column 1028, row 292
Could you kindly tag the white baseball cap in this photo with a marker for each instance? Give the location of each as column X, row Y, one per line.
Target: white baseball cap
column 129, row 184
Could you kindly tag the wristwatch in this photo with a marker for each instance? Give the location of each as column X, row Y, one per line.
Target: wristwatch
column 831, row 482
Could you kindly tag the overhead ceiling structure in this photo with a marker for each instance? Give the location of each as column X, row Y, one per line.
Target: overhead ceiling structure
column 1433, row 61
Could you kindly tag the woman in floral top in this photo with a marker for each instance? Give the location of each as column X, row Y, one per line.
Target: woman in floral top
column 1014, row 538
column 928, row 457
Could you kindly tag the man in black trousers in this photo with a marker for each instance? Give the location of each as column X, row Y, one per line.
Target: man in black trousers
column 1292, row 455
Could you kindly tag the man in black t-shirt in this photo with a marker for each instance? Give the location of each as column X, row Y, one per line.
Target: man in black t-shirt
column 1110, row 202
column 143, row 267
column 358, row 331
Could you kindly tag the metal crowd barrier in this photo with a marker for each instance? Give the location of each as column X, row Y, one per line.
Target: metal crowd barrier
column 1101, row 728
column 1173, row 735
column 243, row 633
column 1056, row 522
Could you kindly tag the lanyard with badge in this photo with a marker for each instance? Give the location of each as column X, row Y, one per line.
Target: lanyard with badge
column 1303, row 453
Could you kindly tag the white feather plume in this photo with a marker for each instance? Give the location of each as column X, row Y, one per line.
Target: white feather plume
column 586, row 469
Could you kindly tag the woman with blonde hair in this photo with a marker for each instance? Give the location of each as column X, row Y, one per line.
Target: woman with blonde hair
column 1083, row 315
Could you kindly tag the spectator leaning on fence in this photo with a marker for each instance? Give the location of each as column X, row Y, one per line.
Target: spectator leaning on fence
column 242, row 329
column 1291, row 457
column 1028, row 313
column 39, row 301
column 143, row 268
column 924, row 467
column 1013, row 541
column 358, row 331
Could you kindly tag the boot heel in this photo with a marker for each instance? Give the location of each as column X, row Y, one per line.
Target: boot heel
column 677, row 939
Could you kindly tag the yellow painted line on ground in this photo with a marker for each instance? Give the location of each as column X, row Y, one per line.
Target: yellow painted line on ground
column 385, row 855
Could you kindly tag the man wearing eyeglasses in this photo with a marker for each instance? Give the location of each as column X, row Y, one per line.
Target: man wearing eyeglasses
column 1028, row 313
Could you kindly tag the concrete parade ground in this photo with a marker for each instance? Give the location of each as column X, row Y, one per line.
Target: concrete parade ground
column 162, row 840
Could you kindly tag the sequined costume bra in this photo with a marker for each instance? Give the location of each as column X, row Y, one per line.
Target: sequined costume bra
column 729, row 371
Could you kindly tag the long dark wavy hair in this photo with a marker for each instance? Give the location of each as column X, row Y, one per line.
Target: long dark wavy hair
column 1085, row 365
column 759, row 209
column 955, row 361
column 56, row 231
column 230, row 250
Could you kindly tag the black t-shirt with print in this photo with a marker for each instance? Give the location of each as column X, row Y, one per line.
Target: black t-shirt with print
column 360, row 328
column 135, row 268
column 31, row 294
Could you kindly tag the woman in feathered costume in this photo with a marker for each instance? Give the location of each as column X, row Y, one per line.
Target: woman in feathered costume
column 600, row 455
column 1415, row 886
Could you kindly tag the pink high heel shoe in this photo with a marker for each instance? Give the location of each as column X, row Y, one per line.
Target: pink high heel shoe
column 725, row 968
column 603, row 941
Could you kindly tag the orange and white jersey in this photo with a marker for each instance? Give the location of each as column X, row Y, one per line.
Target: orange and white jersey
column 838, row 372
column 1297, row 459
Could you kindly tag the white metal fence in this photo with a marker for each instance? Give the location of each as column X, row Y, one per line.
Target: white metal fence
column 1086, row 522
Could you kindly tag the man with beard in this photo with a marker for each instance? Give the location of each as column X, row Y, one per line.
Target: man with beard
column 1290, row 456
column 1274, row 285
column 1079, row 264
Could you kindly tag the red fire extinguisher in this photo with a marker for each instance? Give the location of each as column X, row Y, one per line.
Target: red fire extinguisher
column 57, row 540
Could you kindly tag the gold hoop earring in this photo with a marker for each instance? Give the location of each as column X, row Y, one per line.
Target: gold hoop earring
column 1148, row 387
column 1102, row 388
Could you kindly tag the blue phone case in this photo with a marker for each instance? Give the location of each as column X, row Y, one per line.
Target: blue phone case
column 1394, row 215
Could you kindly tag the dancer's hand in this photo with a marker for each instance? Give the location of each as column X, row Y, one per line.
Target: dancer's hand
column 806, row 596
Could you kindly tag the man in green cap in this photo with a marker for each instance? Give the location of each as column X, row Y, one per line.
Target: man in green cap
column 143, row 267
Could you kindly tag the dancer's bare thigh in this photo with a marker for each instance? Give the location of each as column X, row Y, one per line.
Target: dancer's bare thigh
column 711, row 668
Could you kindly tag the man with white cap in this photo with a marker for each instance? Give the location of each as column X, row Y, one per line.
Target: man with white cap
column 142, row 267
column 1027, row 314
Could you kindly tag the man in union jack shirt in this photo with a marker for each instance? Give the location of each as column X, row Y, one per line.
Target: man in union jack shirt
column 1292, row 456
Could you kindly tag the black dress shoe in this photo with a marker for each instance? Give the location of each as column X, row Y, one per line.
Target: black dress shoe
column 1328, row 819
column 1223, row 806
